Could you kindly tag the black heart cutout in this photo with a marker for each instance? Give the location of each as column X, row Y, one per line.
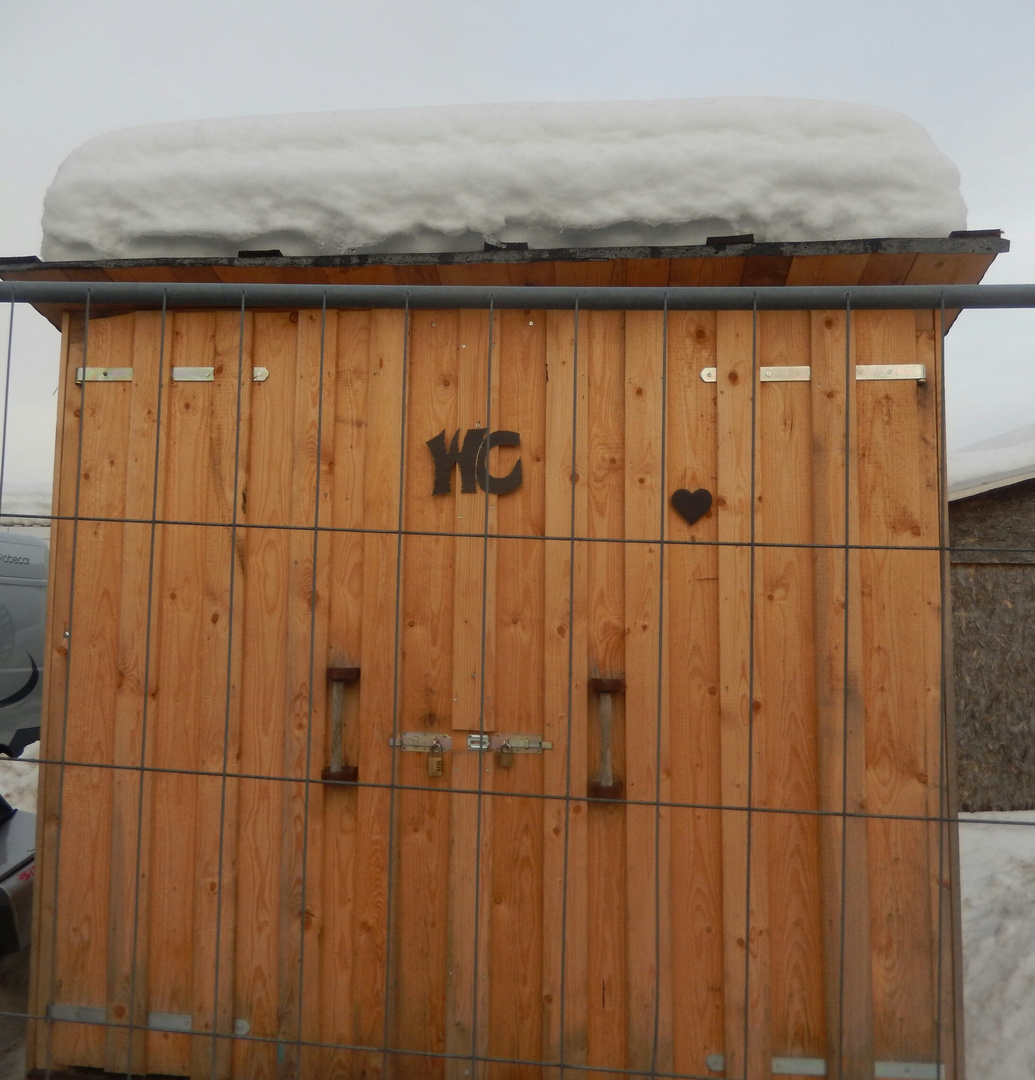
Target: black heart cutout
column 691, row 506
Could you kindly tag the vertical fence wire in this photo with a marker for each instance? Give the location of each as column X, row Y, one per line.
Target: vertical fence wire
column 660, row 725
column 846, row 524
column 482, row 665
column 752, row 549
column 145, row 715
column 69, row 656
column 396, row 656
column 7, row 403
column 572, row 491
column 944, row 807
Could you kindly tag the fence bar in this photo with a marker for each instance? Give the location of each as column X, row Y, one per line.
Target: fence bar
column 139, row 295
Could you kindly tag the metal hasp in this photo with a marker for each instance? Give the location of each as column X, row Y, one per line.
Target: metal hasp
column 337, row 772
column 877, row 372
column 103, row 374
column 605, row 785
column 423, row 742
column 882, row 1070
column 508, row 744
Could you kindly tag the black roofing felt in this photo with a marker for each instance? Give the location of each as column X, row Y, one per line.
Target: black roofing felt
column 975, row 242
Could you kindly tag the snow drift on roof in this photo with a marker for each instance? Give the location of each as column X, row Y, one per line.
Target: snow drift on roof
column 552, row 175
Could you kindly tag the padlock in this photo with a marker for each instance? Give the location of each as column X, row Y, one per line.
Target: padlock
column 505, row 756
column 435, row 759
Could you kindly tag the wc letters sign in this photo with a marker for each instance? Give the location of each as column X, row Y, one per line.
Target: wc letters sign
column 472, row 457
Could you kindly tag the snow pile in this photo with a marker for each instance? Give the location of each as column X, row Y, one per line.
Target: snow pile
column 19, row 777
column 998, row 883
column 552, row 175
column 1003, row 459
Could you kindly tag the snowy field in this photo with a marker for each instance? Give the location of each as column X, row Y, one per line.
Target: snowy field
column 997, row 855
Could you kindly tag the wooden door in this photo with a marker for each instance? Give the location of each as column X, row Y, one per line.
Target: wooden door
column 531, row 525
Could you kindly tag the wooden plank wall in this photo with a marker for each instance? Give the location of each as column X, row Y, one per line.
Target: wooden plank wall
column 781, row 659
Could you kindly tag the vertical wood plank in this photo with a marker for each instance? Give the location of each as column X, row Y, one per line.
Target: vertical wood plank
column 848, row 989
column 302, row 805
column 420, row 919
column 127, row 990
column 745, row 914
column 784, row 707
column 379, row 662
column 946, row 930
column 896, row 740
column 471, row 814
column 692, row 633
column 516, row 930
column 474, row 582
column 646, row 745
column 565, row 768
column 607, row 1028
column 265, row 501
column 345, row 427
column 86, row 794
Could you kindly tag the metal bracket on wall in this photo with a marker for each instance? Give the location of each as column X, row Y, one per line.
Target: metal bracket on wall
column 156, row 1021
column 208, row 374
column 803, row 373
column 876, row 372
column 103, row 374
column 882, row 1070
column 193, row 374
column 800, row 373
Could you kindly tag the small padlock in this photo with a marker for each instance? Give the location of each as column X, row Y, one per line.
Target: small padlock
column 505, row 755
column 435, row 759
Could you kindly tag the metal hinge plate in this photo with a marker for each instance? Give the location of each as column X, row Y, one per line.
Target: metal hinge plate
column 877, row 372
column 103, row 374
column 423, row 742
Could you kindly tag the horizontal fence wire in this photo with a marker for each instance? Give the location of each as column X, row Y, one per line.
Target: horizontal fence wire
column 96, row 296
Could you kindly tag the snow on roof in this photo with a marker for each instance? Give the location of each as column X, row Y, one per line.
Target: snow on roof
column 992, row 463
column 551, row 175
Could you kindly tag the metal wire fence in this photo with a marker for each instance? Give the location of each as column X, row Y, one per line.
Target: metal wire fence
column 657, row 543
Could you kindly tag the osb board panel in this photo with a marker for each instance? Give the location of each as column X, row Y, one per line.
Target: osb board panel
column 993, row 596
column 230, row 541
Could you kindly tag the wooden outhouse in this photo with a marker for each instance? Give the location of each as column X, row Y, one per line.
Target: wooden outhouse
column 438, row 693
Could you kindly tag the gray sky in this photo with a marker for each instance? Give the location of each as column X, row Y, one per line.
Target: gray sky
column 965, row 71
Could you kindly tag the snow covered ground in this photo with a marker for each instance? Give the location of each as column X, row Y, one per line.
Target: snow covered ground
column 551, row 175
column 998, row 885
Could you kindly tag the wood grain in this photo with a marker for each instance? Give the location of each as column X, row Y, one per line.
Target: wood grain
column 848, row 991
